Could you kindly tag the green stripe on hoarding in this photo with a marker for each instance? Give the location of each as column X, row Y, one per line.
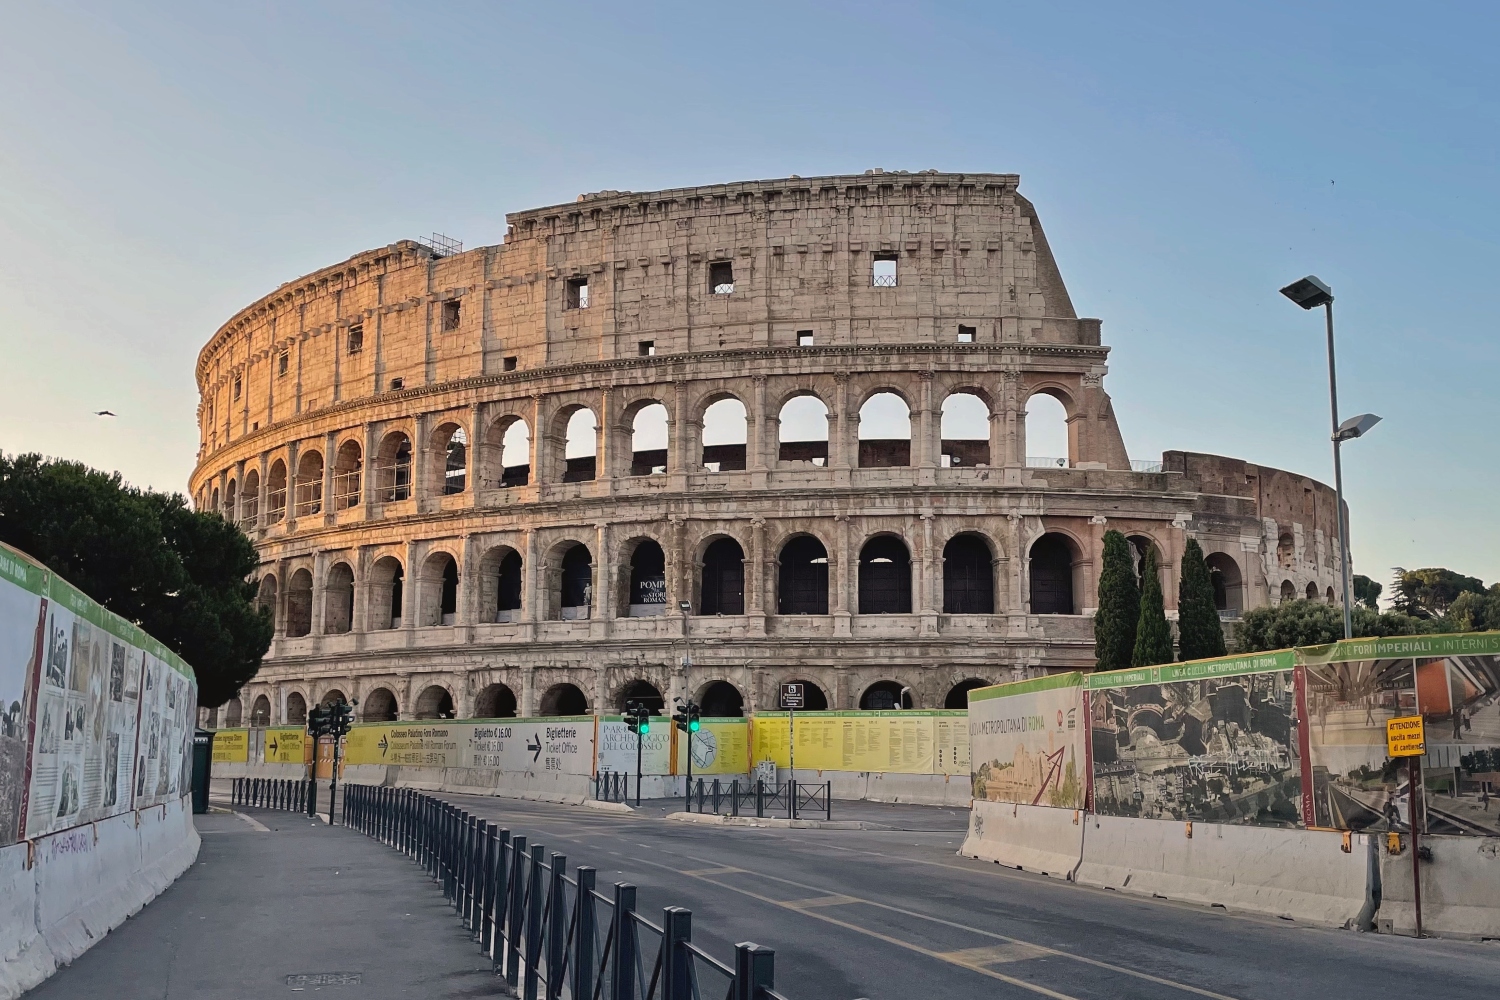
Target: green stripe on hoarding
column 894, row 713
column 1399, row 646
column 1049, row 683
column 20, row 570
column 1174, row 673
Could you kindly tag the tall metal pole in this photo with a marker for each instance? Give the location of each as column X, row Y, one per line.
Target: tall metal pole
column 1338, row 480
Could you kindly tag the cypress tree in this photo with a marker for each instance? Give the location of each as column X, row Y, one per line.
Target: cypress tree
column 1199, row 634
column 1119, row 606
column 1153, row 636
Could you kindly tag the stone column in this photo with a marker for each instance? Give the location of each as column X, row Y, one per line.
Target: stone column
column 540, row 446
column 604, row 441
column 468, row 583
column 843, row 432
column 531, row 598
column 262, row 490
column 319, row 593
column 1015, row 424
column 239, row 492
column 840, row 576
column 930, row 574
column 755, row 578
column 411, row 586
column 757, row 435
column 367, row 470
column 291, row 487
column 926, row 448
column 603, row 610
column 477, row 467
column 360, row 620
column 421, row 462
column 330, row 442
column 281, row 597
column 680, row 437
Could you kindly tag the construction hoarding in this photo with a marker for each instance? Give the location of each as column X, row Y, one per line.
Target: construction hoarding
column 899, row 742
column 561, row 745
column 1027, row 742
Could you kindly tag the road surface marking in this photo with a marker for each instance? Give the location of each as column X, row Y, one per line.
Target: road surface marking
column 714, row 871
column 254, row 823
column 804, row 904
column 995, row 954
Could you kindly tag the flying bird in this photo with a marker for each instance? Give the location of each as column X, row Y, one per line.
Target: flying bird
column 103, row 413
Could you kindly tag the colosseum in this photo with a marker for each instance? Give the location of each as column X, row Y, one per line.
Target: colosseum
column 699, row 442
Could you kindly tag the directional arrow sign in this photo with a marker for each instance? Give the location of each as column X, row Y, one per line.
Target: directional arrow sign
column 273, row 746
column 535, row 748
column 384, row 745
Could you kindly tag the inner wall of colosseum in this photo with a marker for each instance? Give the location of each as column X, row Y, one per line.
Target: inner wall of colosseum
column 698, row 443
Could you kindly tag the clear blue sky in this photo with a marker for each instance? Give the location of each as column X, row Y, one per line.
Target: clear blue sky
column 162, row 166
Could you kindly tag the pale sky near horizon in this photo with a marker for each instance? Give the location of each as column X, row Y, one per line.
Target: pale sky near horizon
column 163, row 165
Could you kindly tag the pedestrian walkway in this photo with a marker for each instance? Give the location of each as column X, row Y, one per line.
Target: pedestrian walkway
column 279, row 905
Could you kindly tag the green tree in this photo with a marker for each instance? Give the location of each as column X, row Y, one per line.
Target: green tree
column 178, row 574
column 1119, row 605
column 1471, row 612
column 1426, row 593
column 1153, row 636
column 1367, row 591
column 1312, row 623
column 1199, row 634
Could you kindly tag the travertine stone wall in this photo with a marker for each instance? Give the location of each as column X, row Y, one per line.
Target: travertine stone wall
column 306, row 392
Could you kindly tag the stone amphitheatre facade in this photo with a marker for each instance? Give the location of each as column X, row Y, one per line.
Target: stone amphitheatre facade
column 486, row 482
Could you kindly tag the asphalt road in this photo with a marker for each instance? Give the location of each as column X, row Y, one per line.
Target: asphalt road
column 894, row 913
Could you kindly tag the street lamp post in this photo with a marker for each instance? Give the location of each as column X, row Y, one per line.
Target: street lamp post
column 1309, row 293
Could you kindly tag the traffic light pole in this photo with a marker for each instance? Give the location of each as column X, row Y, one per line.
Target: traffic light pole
column 639, row 741
column 333, row 780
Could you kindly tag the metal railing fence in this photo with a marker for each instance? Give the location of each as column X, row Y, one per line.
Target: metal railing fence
column 795, row 798
column 551, row 935
column 275, row 793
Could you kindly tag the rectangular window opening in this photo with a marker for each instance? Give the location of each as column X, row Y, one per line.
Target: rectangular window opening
column 804, row 338
column 450, row 315
column 966, row 334
column 647, row 348
column 356, row 339
column 281, row 363
column 721, row 277
column 509, row 364
column 576, row 295
column 397, row 383
column 883, row 271
column 236, row 387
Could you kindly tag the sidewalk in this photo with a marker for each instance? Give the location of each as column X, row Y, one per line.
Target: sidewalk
column 292, row 898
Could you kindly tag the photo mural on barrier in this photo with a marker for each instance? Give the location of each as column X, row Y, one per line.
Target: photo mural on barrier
column 617, row 746
column 21, row 586
column 1027, row 742
column 1210, row 740
column 1353, row 687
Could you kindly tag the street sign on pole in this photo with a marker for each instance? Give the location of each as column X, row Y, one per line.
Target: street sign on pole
column 792, row 695
column 1405, row 737
column 792, row 698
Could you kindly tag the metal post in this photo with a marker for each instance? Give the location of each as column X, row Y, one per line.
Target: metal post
column 1338, row 480
column 533, row 922
column 828, row 800
column 516, row 922
column 476, row 854
column 557, row 928
column 639, row 739
column 677, row 931
column 754, row 970
column 583, row 935
column 312, row 799
column 487, row 888
column 791, row 752
column 622, row 973
column 734, row 796
column 1413, row 776
column 499, row 904
column 791, row 797
column 760, row 797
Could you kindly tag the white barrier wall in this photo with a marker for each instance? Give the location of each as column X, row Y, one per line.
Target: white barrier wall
column 1032, row 838
column 1460, row 888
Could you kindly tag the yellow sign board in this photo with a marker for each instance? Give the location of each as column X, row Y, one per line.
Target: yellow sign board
column 1404, row 737
column 721, row 746
column 910, row 742
column 231, row 746
column 285, row 746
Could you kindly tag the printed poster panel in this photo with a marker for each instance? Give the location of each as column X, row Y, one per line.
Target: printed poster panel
column 21, row 588
column 952, row 736
column 284, row 745
column 1353, row 687
column 894, row 741
column 720, row 746
column 1027, row 742
column 562, row 745
column 1209, row 740
column 231, row 746
column 164, row 745
column 617, row 746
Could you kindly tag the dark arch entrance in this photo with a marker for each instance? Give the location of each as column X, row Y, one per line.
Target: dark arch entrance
column 645, row 692
column 495, row 701
column 721, row 699
column 379, row 706
column 813, row 698
column 648, row 580
column 508, row 589
column 885, row 696
column 723, row 579
column 1052, row 575
column 577, row 582
column 958, row 697
column 564, row 699
column 968, row 577
column 802, row 586
column 435, row 703
column 884, row 577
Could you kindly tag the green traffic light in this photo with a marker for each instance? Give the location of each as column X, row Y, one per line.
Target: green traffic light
column 694, row 725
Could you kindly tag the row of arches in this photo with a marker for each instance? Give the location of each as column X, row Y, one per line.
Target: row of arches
column 506, row 453
column 718, row 699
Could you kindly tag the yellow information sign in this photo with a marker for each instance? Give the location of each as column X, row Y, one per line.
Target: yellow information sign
column 231, row 746
column 285, row 746
column 1404, row 737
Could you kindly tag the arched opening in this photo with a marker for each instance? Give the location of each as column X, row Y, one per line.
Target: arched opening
column 644, row 692
column 309, row 500
column 384, row 593
column 1140, row 548
column 260, row 711
column 299, row 603
column 1048, row 444
column 648, row 581
column 495, row 701
column 1312, row 591
column 563, row 699
column 1224, row 576
column 509, row 440
column 580, row 446
column 884, row 696
column 231, row 494
column 814, row 698
column 884, row 577
column 348, row 472
column 435, row 703
column 276, row 492
column 332, row 697
column 1330, row 598
column 1052, row 591
column 338, row 599
column 958, row 695
column 802, row 431
column 721, row 700
column 724, row 436
column 1288, row 591
column 884, row 432
column 234, row 713
column 802, row 579
column 439, row 590
column 393, row 468
column 296, row 709
column 250, row 500
column 379, row 706
column 213, row 502
column 968, row 576
column 965, row 431
column 265, row 597
column 648, row 441
column 575, row 583
column 450, row 448
column 723, row 589
column 1286, row 551
column 502, row 579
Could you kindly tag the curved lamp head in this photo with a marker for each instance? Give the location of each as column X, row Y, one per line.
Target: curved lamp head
column 1356, row 427
column 1309, row 293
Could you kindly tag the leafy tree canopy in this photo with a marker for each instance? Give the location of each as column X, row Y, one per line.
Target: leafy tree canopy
column 146, row 556
column 1312, row 623
column 1367, row 591
column 1427, row 593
